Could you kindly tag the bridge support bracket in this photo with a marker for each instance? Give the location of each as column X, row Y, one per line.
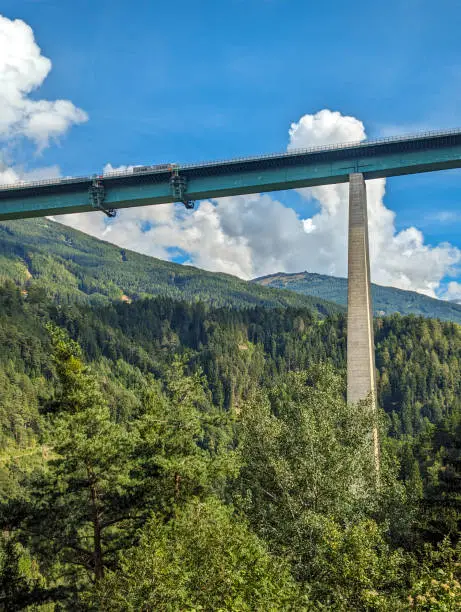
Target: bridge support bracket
column 97, row 196
column 178, row 185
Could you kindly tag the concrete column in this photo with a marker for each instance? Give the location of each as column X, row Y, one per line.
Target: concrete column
column 361, row 382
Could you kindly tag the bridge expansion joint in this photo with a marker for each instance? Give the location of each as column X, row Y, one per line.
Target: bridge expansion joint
column 97, row 196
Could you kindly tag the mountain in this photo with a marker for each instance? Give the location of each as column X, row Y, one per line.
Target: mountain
column 386, row 300
column 46, row 258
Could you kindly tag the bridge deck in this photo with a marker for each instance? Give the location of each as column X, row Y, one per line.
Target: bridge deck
column 295, row 169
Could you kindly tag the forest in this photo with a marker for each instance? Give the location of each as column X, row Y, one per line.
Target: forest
column 172, row 455
column 70, row 266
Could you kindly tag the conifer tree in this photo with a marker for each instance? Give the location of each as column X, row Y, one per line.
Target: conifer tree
column 83, row 498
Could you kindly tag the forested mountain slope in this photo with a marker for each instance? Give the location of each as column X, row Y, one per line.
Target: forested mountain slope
column 210, row 441
column 386, row 300
column 165, row 447
column 69, row 266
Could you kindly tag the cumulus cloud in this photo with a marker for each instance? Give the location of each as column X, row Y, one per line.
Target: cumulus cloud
column 23, row 69
column 325, row 128
column 452, row 292
column 256, row 235
column 399, row 259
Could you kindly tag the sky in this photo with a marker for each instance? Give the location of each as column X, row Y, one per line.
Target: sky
column 91, row 85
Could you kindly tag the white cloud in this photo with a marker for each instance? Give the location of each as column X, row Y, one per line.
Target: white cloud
column 325, row 128
column 399, row 259
column 108, row 168
column 22, row 69
column 444, row 216
column 256, row 235
column 452, row 292
column 9, row 176
column 41, row 174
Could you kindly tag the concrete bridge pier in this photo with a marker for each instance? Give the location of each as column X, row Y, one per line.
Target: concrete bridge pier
column 361, row 381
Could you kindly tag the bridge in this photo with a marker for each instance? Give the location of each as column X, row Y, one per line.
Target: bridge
column 189, row 182
column 349, row 162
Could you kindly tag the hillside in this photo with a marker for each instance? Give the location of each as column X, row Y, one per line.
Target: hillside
column 148, row 438
column 69, row 266
column 119, row 476
column 386, row 300
column 51, row 259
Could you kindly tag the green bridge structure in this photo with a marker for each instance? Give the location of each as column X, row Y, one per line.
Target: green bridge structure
column 349, row 162
column 187, row 183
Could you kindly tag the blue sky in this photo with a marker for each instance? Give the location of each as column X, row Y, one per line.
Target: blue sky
column 185, row 81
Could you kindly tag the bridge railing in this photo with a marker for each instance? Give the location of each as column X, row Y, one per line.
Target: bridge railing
column 325, row 148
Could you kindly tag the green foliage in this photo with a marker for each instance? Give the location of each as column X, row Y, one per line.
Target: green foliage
column 307, row 485
column 437, row 583
column 55, row 261
column 204, row 558
column 357, row 569
column 186, row 444
column 419, row 363
column 21, row 582
column 81, row 498
column 111, row 412
column 104, row 478
column 305, row 451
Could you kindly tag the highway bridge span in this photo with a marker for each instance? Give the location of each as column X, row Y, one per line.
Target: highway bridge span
column 189, row 182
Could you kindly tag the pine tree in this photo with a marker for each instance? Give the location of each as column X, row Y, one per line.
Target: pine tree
column 84, row 496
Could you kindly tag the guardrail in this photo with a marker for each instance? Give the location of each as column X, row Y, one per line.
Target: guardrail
column 326, row 148
column 236, row 160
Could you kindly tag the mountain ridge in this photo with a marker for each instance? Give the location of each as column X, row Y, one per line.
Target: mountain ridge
column 386, row 300
column 45, row 257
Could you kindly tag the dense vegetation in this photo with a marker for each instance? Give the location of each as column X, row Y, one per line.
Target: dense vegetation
column 69, row 266
column 386, row 300
column 172, row 439
column 165, row 455
column 44, row 257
